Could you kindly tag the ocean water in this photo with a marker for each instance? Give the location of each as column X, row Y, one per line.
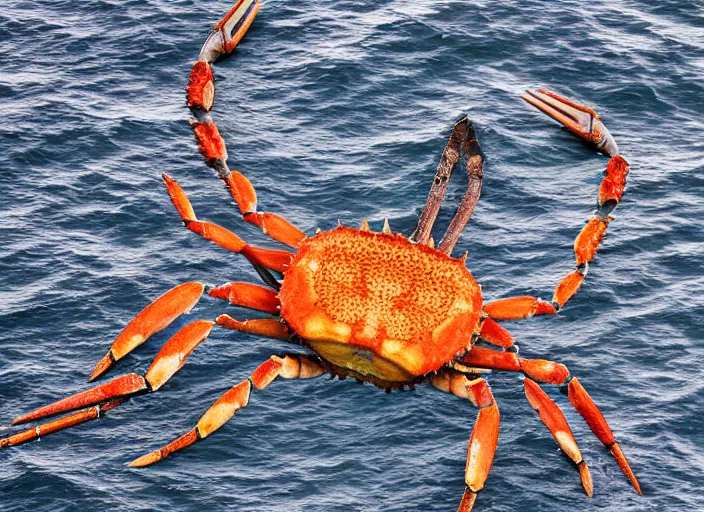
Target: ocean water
column 340, row 110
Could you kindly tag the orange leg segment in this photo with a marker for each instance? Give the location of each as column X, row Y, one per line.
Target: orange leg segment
column 541, row 370
column 485, row 435
column 200, row 92
column 210, row 144
column 273, row 225
column 276, row 227
column 287, row 367
column 516, row 308
column 268, row 327
column 494, row 334
column 248, row 295
column 614, row 182
column 568, row 287
column 586, row 243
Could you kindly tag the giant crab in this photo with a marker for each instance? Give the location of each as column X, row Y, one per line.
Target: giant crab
column 378, row 307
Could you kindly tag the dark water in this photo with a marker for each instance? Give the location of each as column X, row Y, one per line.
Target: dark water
column 340, row 110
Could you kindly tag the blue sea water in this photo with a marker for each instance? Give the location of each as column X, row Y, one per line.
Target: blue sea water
column 340, row 110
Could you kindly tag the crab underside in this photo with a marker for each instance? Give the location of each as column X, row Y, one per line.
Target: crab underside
column 379, row 307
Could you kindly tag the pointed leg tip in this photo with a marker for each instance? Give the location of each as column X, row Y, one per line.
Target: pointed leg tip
column 25, row 418
column 146, row 460
column 625, row 467
column 586, row 477
column 103, row 365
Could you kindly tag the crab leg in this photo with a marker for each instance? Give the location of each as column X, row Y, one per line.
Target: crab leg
column 552, row 417
column 177, row 301
column 475, row 166
column 450, row 157
column 549, row 372
column 248, row 295
column 156, row 316
column 167, row 362
column 56, row 425
column 485, row 435
column 269, row 258
column 200, row 95
column 514, row 308
column 287, row 367
column 586, row 407
column 584, row 122
column 585, row 248
column 492, row 333
column 271, row 224
column 268, row 327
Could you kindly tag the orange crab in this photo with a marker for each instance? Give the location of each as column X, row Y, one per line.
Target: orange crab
column 379, row 307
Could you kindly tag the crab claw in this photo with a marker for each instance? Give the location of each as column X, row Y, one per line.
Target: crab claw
column 580, row 120
column 229, row 30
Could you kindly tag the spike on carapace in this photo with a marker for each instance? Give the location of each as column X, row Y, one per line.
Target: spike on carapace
column 387, row 228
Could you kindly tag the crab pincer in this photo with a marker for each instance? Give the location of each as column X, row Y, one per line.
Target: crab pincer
column 168, row 361
column 583, row 121
column 229, row 30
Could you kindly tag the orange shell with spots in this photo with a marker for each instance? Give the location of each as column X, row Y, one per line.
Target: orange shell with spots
column 379, row 305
